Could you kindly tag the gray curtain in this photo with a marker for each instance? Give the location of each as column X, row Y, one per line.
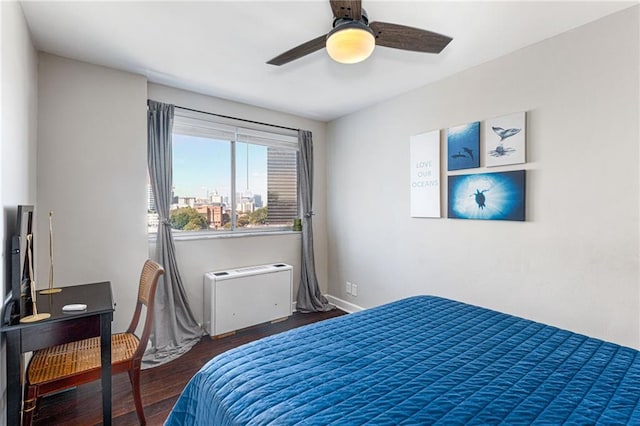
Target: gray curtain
column 175, row 329
column 309, row 299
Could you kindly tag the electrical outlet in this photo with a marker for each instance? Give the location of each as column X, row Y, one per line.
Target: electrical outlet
column 354, row 289
column 348, row 287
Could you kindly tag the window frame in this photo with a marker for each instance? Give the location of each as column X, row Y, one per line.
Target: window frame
column 234, row 131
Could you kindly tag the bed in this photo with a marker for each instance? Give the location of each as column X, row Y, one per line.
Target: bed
column 421, row 360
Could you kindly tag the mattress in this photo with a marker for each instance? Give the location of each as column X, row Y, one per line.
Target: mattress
column 421, row 360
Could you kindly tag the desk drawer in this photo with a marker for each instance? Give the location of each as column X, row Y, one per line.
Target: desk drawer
column 58, row 333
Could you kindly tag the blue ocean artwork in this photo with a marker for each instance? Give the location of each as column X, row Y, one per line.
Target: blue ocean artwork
column 463, row 146
column 488, row 196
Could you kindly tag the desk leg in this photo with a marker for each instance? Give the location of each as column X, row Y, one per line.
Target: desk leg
column 14, row 371
column 105, row 357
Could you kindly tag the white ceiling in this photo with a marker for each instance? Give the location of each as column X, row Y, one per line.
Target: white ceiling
column 220, row 48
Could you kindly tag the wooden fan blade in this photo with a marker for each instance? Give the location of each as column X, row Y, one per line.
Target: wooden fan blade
column 408, row 38
column 299, row 51
column 350, row 9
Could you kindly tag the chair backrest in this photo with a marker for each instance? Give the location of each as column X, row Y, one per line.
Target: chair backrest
column 151, row 272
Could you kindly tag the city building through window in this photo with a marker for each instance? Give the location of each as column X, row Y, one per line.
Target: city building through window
column 230, row 178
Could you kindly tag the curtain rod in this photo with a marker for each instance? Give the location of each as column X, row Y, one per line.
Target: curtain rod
column 236, row 118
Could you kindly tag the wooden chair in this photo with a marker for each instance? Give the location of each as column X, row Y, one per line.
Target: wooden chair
column 72, row 364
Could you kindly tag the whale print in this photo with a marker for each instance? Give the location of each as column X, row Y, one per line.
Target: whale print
column 505, row 133
column 505, row 140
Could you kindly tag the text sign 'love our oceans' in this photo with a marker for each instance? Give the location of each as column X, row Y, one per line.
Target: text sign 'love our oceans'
column 425, row 174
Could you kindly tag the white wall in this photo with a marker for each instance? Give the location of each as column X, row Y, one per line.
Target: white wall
column 92, row 175
column 195, row 257
column 574, row 262
column 18, row 111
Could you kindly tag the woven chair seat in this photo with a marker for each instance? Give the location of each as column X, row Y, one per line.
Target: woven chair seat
column 72, row 358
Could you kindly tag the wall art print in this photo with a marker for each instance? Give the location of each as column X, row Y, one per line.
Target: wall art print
column 463, row 146
column 504, row 140
column 424, row 151
column 488, row 196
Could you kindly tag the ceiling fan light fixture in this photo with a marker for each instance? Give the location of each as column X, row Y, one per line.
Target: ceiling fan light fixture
column 350, row 43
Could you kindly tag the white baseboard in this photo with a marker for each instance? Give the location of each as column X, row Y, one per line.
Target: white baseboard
column 343, row 304
column 339, row 303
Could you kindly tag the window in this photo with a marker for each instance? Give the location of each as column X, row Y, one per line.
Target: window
column 230, row 178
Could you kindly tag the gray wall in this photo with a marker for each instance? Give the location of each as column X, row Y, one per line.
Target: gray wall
column 574, row 262
column 92, row 174
column 195, row 257
column 18, row 124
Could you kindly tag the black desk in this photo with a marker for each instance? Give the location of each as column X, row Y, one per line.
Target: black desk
column 62, row 328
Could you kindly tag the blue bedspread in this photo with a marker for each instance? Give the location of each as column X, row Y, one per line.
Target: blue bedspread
column 422, row 360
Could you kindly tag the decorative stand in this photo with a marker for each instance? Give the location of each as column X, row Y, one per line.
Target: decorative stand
column 50, row 290
column 36, row 316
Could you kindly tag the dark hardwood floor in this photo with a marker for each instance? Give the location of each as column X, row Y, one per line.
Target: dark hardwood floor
column 160, row 386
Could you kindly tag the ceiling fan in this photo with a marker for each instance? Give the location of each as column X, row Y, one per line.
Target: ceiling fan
column 353, row 38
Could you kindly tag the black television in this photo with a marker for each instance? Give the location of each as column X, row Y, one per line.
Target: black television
column 19, row 303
